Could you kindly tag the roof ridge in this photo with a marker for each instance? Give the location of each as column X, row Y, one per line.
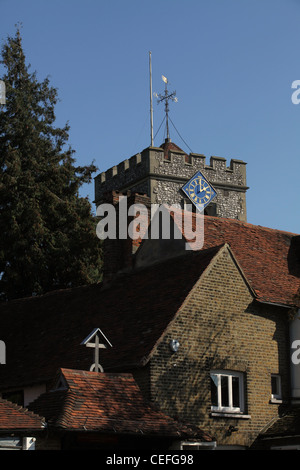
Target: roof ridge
column 86, row 373
column 227, row 220
column 247, row 224
column 202, row 251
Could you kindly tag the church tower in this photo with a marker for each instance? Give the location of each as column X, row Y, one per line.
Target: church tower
column 161, row 172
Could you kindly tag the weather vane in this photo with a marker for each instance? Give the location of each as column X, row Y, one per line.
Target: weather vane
column 166, row 97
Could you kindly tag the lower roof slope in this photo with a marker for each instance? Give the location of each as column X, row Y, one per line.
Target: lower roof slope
column 16, row 418
column 288, row 424
column 110, row 403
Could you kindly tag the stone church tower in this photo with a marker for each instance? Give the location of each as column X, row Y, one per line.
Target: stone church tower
column 160, row 173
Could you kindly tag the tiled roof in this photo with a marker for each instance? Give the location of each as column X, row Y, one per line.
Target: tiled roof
column 288, row 424
column 110, row 403
column 16, row 418
column 269, row 258
column 44, row 333
column 169, row 146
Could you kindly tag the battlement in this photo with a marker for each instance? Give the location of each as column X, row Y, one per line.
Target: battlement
column 171, row 163
column 128, row 164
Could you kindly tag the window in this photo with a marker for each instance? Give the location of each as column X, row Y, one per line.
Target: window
column 276, row 387
column 227, row 391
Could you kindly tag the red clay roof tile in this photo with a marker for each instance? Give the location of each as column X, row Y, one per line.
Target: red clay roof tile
column 16, row 418
column 107, row 403
column 269, row 258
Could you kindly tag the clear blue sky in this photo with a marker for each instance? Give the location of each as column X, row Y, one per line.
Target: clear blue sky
column 231, row 62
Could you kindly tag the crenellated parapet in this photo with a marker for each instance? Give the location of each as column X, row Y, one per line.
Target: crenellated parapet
column 160, row 172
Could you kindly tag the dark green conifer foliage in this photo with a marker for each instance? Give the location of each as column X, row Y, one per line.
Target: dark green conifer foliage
column 47, row 231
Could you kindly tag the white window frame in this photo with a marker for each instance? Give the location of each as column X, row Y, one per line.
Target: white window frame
column 229, row 374
column 276, row 396
column 188, row 445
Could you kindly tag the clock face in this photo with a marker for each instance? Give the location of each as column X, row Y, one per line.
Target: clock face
column 199, row 191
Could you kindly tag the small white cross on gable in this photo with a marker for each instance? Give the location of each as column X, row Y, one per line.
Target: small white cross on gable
column 100, row 342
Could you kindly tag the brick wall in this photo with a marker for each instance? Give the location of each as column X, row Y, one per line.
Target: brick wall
column 221, row 327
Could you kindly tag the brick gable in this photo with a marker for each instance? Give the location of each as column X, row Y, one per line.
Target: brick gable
column 221, row 326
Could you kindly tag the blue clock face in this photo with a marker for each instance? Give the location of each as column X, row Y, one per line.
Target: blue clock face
column 199, row 191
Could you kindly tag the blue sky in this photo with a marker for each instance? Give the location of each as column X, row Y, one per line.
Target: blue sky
column 231, row 62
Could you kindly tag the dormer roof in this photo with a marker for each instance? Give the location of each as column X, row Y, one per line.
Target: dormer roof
column 108, row 403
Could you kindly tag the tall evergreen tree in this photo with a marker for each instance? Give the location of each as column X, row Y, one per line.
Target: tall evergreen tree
column 47, row 231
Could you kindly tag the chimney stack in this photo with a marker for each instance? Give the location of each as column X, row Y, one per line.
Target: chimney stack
column 118, row 253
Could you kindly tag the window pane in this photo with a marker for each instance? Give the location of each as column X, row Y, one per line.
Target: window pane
column 274, row 385
column 224, row 391
column 214, row 390
column 235, row 392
